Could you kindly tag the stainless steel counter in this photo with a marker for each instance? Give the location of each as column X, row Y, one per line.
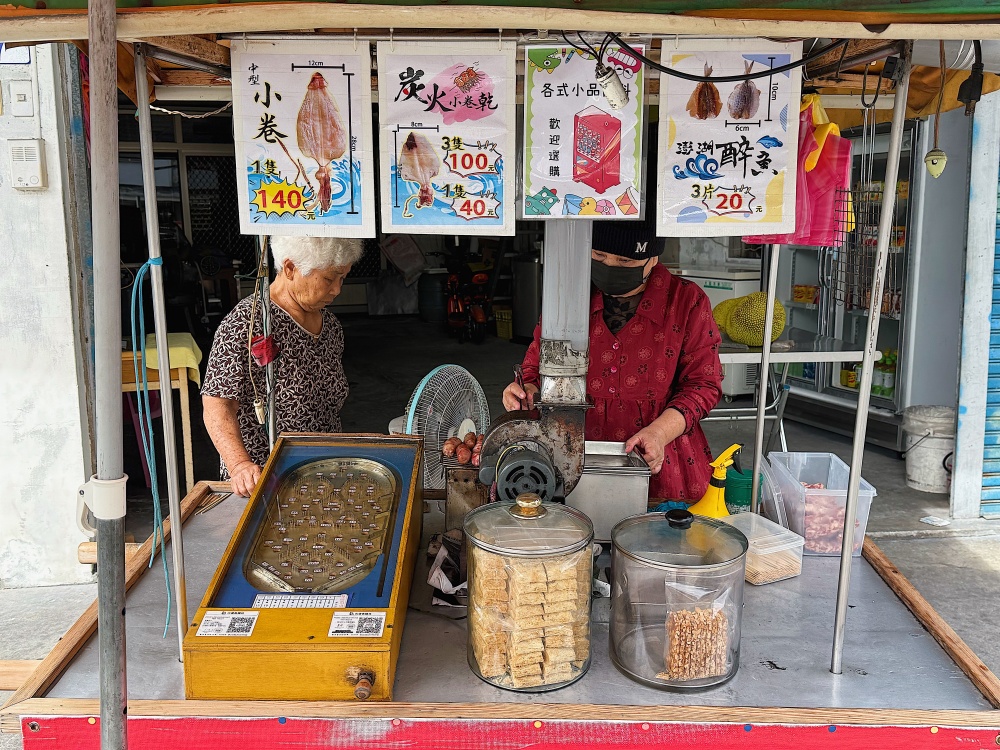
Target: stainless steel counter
column 890, row 660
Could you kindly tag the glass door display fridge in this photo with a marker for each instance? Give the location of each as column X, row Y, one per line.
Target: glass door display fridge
column 828, row 289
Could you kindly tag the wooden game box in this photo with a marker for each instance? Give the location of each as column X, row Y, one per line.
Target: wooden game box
column 309, row 599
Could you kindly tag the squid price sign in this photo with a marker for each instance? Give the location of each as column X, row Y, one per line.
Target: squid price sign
column 302, row 121
column 581, row 157
column 447, row 137
column 728, row 149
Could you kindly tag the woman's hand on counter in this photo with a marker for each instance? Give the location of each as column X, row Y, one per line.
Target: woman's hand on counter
column 655, row 437
column 244, row 477
column 513, row 395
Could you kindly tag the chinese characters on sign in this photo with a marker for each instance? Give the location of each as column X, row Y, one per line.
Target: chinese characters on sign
column 446, row 136
column 581, row 157
column 727, row 160
column 302, row 125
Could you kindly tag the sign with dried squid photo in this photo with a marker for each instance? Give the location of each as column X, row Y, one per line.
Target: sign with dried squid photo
column 447, row 119
column 728, row 148
column 582, row 158
column 302, row 122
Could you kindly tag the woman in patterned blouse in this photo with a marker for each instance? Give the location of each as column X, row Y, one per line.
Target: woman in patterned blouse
column 310, row 386
column 654, row 370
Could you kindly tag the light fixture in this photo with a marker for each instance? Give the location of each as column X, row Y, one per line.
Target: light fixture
column 936, row 159
column 935, row 162
column 611, row 84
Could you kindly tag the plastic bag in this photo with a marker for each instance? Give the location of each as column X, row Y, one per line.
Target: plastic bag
column 819, row 221
column 529, row 618
column 701, row 629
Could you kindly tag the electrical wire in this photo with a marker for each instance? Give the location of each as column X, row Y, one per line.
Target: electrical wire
column 146, row 420
column 728, row 79
column 604, row 46
column 577, row 47
column 940, row 101
column 588, row 45
column 257, row 292
column 864, row 89
column 190, row 116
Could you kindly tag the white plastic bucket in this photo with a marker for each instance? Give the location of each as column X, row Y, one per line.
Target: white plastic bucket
column 398, row 425
column 928, row 440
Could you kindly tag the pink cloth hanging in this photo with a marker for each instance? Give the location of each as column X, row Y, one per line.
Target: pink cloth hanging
column 819, row 220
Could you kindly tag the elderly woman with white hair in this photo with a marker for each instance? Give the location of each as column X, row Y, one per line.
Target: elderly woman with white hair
column 310, row 386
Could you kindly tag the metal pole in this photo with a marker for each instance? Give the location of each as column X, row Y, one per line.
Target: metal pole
column 864, row 387
column 103, row 57
column 265, row 321
column 765, row 376
column 162, row 343
column 566, row 282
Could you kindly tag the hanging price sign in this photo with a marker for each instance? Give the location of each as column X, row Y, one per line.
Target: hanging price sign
column 446, row 126
column 727, row 160
column 302, row 124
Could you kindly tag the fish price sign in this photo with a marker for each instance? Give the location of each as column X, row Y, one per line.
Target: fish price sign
column 302, row 122
column 727, row 161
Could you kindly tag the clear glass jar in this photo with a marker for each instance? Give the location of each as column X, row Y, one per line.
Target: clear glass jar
column 530, row 581
column 677, row 599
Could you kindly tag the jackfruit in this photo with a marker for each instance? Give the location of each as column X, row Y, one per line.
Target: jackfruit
column 723, row 310
column 746, row 321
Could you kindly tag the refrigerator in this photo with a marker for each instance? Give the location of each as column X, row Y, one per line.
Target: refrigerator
column 827, row 289
column 720, row 283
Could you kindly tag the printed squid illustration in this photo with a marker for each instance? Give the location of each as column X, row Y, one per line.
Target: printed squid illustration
column 745, row 99
column 705, row 102
column 321, row 132
column 419, row 162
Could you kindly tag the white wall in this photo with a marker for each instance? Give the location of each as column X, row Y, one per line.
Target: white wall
column 43, row 449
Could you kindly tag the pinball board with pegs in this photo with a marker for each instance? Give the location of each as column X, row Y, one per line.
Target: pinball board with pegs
column 309, row 600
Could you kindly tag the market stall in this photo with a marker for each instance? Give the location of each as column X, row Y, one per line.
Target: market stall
column 601, row 708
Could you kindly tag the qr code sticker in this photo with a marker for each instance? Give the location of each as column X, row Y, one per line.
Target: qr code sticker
column 241, row 625
column 357, row 625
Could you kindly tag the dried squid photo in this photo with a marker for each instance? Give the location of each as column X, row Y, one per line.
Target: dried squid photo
column 745, row 99
column 321, row 132
column 705, row 101
column 420, row 163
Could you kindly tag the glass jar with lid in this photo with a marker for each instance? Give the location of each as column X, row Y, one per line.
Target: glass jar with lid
column 677, row 599
column 530, row 581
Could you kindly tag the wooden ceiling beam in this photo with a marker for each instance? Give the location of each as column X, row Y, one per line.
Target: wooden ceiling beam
column 193, row 47
column 852, row 81
column 178, row 77
column 858, row 52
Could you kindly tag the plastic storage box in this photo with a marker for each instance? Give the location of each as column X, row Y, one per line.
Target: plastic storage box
column 817, row 513
column 775, row 552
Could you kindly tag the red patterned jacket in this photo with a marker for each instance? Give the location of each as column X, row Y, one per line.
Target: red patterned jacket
column 666, row 356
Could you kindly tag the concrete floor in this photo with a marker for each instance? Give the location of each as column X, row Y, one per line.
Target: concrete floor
column 957, row 567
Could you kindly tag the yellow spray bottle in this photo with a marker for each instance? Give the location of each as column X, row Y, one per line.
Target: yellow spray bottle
column 713, row 502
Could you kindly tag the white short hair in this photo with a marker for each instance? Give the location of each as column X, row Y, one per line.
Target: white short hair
column 311, row 253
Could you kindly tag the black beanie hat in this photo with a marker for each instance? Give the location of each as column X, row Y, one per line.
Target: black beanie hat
column 633, row 239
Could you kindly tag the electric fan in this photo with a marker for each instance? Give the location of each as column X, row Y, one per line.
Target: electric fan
column 448, row 402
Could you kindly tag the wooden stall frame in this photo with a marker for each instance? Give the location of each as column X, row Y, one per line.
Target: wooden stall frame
column 28, row 700
column 271, row 17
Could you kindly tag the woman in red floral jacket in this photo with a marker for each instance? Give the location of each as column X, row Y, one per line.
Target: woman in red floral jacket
column 654, row 369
